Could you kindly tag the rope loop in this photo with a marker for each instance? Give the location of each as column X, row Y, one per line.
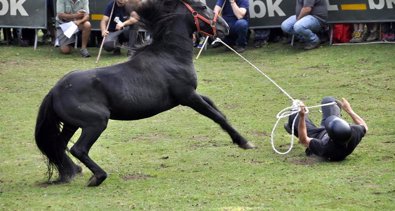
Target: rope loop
column 286, row 112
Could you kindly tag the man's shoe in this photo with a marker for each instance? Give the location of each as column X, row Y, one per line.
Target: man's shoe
column 373, row 36
column 84, row 53
column 260, row 43
column 356, row 37
column 312, row 45
column 239, row 49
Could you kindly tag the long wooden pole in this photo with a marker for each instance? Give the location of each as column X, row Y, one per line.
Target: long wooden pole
column 104, row 38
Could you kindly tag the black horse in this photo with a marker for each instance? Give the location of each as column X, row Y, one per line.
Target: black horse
column 157, row 78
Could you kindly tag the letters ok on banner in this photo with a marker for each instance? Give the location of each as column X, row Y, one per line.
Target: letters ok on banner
column 23, row 13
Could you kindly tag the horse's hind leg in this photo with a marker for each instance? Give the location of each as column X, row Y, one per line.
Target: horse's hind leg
column 68, row 169
column 65, row 136
column 211, row 103
column 81, row 149
column 206, row 107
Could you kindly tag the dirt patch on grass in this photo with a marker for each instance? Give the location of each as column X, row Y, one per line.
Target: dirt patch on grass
column 312, row 160
column 136, row 176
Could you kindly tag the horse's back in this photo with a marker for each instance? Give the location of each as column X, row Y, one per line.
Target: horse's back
column 121, row 92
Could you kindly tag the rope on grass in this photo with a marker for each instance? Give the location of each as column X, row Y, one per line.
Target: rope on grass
column 286, row 112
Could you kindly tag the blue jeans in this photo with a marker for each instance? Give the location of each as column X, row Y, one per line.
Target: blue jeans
column 238, row 33
column 304, row 28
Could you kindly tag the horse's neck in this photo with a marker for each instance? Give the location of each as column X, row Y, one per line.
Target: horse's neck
column 179, row 37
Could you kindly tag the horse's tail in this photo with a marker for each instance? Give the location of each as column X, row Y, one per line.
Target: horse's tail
column 48, row 129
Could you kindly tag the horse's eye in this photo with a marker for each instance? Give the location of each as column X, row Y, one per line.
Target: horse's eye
column 204, row 7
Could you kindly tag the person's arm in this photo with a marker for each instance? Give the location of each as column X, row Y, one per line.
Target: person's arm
column 84, row 17
column 238, row 11
column 302, row 129
column 304, row 12
column 134, row 18
column 78, row 18
column 70, row 16
column 103, row 25
column 217, row 9
column 354, row 116
column 85, row 14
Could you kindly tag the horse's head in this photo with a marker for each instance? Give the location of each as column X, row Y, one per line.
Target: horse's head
column 206, row 22
column 161, row 16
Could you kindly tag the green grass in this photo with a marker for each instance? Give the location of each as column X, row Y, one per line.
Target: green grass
column 179, row 160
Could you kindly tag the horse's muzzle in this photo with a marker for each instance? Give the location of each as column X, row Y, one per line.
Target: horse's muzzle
column 222, row 28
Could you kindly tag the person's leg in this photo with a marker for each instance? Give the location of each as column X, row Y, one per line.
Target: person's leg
column 288, row 25
column 132, row 34
column 230, row 39
column 307, row 27
column 373, row 32
column 330, row 110
column 261, row 37
column 64, row 42
column 86, row 32
column 111, row 41
column 241, row 30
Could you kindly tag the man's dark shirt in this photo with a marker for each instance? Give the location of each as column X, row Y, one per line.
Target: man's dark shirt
column 118, row 12
column 327, row 148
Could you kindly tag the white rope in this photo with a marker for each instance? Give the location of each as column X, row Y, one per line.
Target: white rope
column 286, row 112
column 256, row 68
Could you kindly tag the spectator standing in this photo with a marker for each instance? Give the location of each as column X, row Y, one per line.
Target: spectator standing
column 235, row 13
column 123, row 27
column 76, row 11
column 309, row 19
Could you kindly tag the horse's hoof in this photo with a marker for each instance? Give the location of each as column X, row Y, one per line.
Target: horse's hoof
column 247, row 145
column 95, row 181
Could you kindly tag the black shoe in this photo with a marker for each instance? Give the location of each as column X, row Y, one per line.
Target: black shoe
column 84, row 53
column 312, row 45
column 239, row 49
column 287, row 128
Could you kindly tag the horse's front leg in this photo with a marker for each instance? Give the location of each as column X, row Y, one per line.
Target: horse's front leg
column 206, row 107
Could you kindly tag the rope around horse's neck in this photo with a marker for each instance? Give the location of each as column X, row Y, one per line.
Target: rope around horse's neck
column 286, row 112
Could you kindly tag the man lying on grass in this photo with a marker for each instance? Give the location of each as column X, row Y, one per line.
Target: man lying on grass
column 335, row 139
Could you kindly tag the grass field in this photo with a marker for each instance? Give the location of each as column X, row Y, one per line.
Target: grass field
column 179, row 160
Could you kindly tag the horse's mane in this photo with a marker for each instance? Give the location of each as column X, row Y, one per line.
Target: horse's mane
column 156, row 15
